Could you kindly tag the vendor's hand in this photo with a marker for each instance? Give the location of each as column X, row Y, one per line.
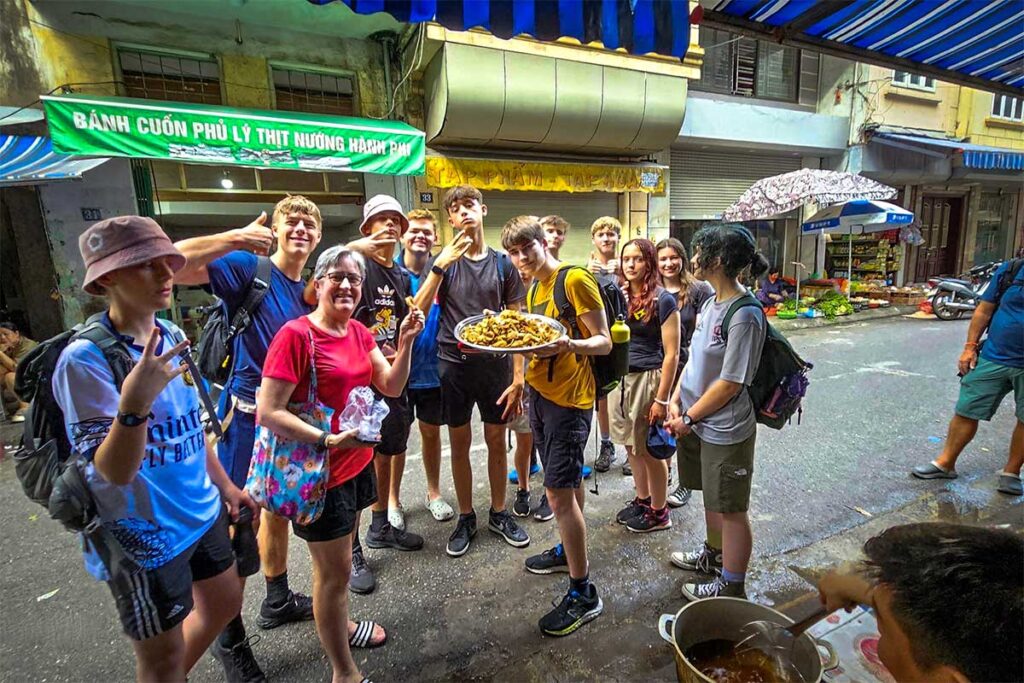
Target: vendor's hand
column 367, row 246
column 345, row 439
column 255, row 237
column 150, row 375
column 236, row 499
column 657, row 413
column 411, row 325
column 560, row 345
column 453, row 251
column 843, row 591
column 512, row 399
column 775, row 297
column 968, row 360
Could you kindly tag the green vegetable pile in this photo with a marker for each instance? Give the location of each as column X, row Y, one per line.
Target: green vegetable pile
column 833, row 304
column 788, row 305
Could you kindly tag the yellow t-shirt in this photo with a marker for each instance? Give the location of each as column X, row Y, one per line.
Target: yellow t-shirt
column 572, row 382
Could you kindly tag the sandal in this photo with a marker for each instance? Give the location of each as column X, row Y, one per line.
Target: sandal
column 440, row 510
column 362, row 637
column 933, row 471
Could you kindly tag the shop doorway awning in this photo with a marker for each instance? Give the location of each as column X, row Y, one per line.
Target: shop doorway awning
column 977, row 157
column 28, row 160
column 148, row 129
column 638, row 26
column 977, row 44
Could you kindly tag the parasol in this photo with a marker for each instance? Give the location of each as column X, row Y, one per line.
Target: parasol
column 781, row 193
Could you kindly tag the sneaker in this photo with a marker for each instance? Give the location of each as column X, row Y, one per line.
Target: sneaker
column 513, row 476
column 240, row 666
column 933, row 471
column 390, row 537
column 362, row 580
column 502, row 524
column 440, row 510
column 543, row 512
column 605, row 457
column 587, row 471
column 548, row 562
column 521, row 508
column 716, row 587
column 572, row 612
column 669, row 484
column 627, row 471
column 396, row 517
column 705, row 559
column 1010, row 484
column 633, row 508
column 650, row 520
column 465, row 530
column 679, row 497
column 297, row 607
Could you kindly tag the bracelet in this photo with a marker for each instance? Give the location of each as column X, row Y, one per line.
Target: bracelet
column 437, row 270
column 663, row 403
column 322, row 440
column 971, row 345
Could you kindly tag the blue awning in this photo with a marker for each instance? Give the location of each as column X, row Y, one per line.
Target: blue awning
column 638, row 26
column 26, row 160
column 978, row 157
column 960, row 41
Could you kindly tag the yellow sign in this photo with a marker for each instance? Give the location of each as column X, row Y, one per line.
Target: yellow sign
column 544, row 177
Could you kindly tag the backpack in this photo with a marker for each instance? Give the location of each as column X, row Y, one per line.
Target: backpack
column 215, row 354
column 45, row 447
column 1007, row 278
column 606, row 375
column 780, row 382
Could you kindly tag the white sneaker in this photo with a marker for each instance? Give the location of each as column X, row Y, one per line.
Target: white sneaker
column 440, row 509
column 396, row 517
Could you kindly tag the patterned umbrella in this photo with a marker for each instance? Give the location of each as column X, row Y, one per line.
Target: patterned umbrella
column 778, row 194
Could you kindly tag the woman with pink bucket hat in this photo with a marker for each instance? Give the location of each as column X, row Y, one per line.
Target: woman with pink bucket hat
column 164, row 496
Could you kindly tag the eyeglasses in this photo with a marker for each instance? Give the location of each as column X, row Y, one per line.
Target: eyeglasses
column 354, row 279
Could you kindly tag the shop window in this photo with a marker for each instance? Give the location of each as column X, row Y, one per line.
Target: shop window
column 1008, row 107
column 155, row 75
column 313, row 92
column 734, row 65
column 906, row 79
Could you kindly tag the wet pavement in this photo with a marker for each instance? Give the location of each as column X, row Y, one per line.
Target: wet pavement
column 880, row 398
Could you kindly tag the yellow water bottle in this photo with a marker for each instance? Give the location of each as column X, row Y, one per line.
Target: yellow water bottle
column 620, row 346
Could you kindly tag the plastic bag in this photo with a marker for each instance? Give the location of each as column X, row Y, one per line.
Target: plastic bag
column 365, row 413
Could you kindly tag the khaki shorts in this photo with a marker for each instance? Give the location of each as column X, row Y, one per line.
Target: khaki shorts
column 723, row 473
column 628, row 406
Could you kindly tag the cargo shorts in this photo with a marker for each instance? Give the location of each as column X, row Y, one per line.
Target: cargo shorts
column 984, row 388
column 723, row 473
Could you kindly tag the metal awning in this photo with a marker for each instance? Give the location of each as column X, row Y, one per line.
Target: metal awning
column 27, row 160
column 978, row 157
column 972, row 43
column 638, row 26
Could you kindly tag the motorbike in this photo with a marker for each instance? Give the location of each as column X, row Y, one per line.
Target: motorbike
column 955, row 296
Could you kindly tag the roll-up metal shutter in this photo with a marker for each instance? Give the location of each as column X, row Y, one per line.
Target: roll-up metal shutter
column 703, row 184
column 579, row 208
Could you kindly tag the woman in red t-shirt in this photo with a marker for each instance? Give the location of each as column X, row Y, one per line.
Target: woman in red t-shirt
column 346, row 357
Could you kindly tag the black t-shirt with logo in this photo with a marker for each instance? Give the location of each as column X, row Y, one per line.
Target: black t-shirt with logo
column 646, row 351
column 382, row 306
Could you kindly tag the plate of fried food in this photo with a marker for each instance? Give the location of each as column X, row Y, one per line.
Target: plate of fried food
column 508, row 332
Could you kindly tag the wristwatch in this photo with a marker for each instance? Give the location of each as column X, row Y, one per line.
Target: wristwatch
column 688, row 421
column 131, row 419
column 437, row 270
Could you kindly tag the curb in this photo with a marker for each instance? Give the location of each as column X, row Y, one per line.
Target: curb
column 852, row 319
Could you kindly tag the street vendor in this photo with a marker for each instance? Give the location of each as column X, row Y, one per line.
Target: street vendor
column 772, row 289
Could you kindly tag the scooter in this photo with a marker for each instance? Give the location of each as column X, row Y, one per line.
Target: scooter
column 954, row 297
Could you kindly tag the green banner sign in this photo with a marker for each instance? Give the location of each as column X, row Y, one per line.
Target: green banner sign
column 109, row 126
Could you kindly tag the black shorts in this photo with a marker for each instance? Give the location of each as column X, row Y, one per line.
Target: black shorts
column 473, row 382
column 425, row 405
column 341, row 505
column 156, row 600
column 561, row 436
column 394, row 431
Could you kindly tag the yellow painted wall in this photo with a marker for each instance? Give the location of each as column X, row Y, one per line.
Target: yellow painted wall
column 63, row 58
column 245, row 81
column 977, row 125
column 893, row 105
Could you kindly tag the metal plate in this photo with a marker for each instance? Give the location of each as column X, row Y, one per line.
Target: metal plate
column 472, row 320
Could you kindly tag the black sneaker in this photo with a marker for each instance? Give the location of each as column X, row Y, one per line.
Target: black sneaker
column 297, row 607
column 572, row 612
column 680, row 497
column 716, row 587
column 362, row 580
column 543, row 512
column 465, row 530
column 706, row 560
column 548, row 562
column 633, row 508
column 650, row 520
column 603, row 463
column 521, row 508
column 627, row 469
column 240, row 666
column 390, row 537
column 502, row 524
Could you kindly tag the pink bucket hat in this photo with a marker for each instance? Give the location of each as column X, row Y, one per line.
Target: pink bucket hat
column 121, row 242
column 379, row 204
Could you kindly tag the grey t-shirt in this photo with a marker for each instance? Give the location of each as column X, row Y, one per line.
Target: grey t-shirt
column 712, row 359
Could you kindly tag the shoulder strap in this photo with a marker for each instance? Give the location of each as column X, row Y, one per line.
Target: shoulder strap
column 114, row 350
column 258, row 288
column 747, row 300
column 531, row 296
column 200, row 385
column 561, row 298
column 1007, row 278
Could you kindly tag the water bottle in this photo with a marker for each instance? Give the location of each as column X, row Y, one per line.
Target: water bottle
column 243, row 543
column 620, row 346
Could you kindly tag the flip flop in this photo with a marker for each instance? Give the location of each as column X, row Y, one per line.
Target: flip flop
column 363, row 635
column 933, row 471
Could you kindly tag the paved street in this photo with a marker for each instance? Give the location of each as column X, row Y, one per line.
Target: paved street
column 880, row 396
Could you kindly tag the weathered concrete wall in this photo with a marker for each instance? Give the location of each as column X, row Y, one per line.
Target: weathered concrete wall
column 20, row 78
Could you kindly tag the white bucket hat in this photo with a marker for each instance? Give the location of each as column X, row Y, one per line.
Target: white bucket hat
column 379, row 204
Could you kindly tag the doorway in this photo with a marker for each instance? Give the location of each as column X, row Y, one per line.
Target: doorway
column 941, row 222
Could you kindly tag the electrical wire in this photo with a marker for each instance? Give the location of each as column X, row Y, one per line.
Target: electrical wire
column 413, row 65
column 53, row 90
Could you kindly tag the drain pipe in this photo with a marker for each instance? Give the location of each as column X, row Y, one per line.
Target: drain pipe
column 387, row 44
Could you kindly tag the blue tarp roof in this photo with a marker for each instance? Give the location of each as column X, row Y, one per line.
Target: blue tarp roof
column 978, row 157
column 27, row 160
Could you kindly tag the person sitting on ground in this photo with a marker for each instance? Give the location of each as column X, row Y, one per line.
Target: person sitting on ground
column 345, row 356
column 947, row 598
column 989, row 372
column 604, row 263
column 555, row 230
column 160, row 491
column 772, row 289
column 13, row 347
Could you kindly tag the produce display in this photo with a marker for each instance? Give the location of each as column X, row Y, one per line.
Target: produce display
column 834, row 304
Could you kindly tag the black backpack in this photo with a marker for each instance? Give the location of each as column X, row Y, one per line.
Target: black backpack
column 215, row 354
column 45, row 449
column 606, row 376
column 781, row 379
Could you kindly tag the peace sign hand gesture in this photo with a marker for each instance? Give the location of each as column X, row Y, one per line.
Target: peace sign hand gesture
column 150, row 375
